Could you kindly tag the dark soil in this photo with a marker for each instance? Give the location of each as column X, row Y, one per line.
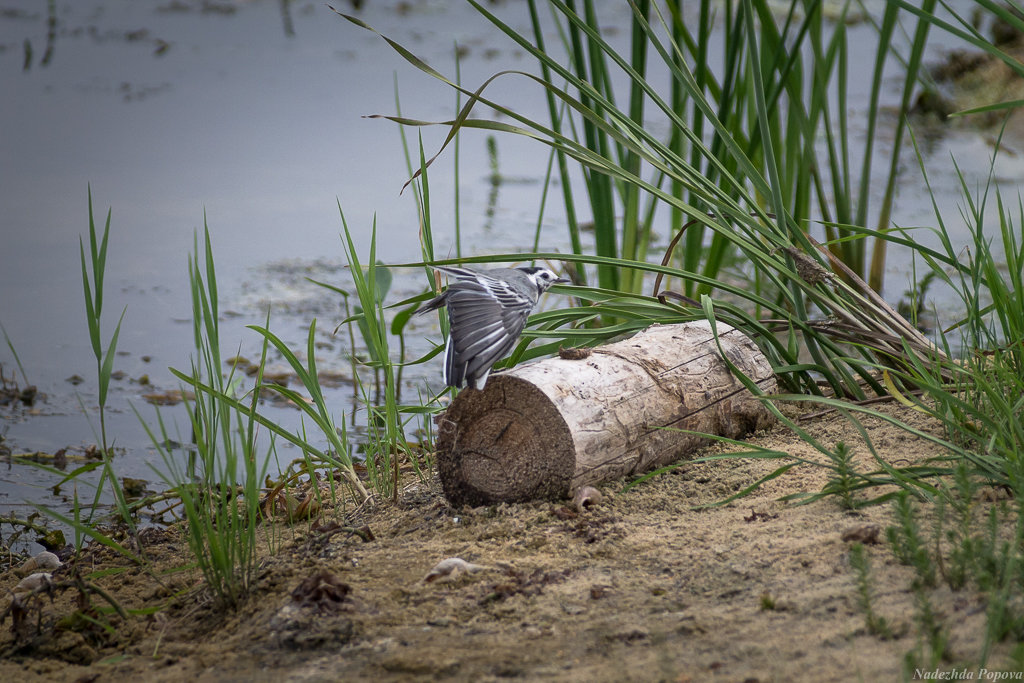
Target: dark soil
column 640, row 587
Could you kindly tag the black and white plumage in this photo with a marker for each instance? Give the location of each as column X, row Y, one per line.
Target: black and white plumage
column 487, row 311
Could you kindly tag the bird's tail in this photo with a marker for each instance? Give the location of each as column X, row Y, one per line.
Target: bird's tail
column 432, row 305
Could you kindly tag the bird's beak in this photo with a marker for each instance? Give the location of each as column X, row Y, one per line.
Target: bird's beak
column 563, row 281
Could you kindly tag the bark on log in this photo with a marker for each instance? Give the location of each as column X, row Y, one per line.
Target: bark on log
column 546, row 428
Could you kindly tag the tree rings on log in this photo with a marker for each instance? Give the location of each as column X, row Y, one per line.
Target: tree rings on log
column 543, row 429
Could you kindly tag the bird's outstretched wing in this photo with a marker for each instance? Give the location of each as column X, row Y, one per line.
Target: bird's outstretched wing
column 441, row 299
column 486, row 316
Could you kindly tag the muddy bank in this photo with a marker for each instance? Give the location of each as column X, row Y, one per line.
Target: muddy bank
column 640, row 587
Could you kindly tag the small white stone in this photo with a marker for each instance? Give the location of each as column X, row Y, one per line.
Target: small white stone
column 450, row 568
column 44, row 560
column 33, row 582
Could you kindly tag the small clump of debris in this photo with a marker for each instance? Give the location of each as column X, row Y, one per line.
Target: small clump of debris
column 11, row 393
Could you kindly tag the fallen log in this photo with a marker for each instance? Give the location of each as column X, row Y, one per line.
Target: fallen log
column 544, row 429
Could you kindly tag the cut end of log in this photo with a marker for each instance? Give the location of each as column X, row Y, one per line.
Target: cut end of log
column 507, row 443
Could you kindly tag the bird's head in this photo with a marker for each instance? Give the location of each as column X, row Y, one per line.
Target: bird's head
column 543, row 277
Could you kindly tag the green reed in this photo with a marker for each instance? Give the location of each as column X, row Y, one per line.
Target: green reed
column 93, row 271
column 219, row 487
column 743, row 192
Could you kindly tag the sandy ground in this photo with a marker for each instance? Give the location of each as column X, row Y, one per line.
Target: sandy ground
column 641, row 587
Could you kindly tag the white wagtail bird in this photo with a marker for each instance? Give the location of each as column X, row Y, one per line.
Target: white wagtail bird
column 487, row 311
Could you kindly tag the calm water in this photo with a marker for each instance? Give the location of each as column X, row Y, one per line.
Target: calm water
column 244, row 114
column 252, row 114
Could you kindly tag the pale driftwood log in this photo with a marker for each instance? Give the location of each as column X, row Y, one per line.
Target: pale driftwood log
column 546, row 428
